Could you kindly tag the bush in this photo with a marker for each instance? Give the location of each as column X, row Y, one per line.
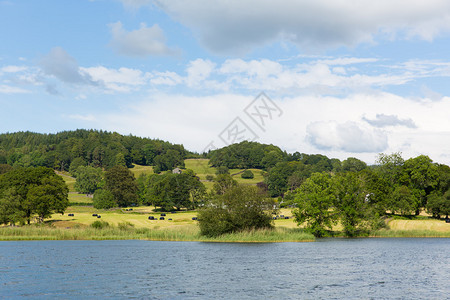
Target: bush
column 209, row 177
column 125, row 225
column 99, row 224
column 247, row 174
column 222, row 170
column 103, row 199
column 240, row 208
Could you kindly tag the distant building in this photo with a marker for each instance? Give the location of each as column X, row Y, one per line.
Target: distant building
column 176, row 171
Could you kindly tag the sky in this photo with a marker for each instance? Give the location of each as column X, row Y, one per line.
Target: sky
column 342, row 78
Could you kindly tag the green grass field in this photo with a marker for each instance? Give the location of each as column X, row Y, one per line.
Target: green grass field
column 180, row 226
column 202, row 168
column 137, row 170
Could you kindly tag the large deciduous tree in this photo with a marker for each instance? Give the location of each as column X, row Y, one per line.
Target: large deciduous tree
column 26, row 192
column 88, row 179
column 240, row 208
column 314, row 200
column 122, row 184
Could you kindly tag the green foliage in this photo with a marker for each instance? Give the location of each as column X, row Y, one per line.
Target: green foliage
column 49, row 197
column 169, row 161
column 246, row 155
column 353, row 164
column 285, row 176
column 5, row 168
column 439, row 205
column 95, row 148
column 222, row 170
column 76, row 162
column 122, row 184
column 209, row 177
column 314, row 200
column 222, row 183
column 239, row 208
column 103, row 199
column 88, row 179
column 100, row 224
column 170, row 191
column 350, row 200
column 247, row 174
column 32, row 191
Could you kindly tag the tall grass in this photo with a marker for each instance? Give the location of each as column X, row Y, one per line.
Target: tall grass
column 125, row 232
column 410, row 233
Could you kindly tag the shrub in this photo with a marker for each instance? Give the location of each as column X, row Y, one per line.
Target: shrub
column 240, row 208
column 125, row 225
column 103, row 199
column 209, row 177
column 99, row 224
column 247, row 174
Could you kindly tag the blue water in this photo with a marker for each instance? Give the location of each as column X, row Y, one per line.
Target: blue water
column 328, row 269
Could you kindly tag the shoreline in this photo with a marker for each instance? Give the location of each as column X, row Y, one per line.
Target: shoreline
column 277, row 235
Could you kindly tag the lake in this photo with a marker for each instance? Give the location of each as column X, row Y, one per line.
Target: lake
column 328, row 269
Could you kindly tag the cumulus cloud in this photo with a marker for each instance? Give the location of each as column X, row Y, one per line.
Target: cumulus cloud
column 382, row 120
column 239, row 26
column 141, row 42
column 348, row 137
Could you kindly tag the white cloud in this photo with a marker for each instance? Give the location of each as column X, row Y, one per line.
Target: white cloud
column 88, row 118
column 325, row 76
column 120, row 80
column 239, row 26
column 348, row 137
column 5, row 89
column 13, row 69
column 141, row 42
column 198, row 71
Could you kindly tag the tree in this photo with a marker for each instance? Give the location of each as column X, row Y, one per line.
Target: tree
column 36, row 190
column 222, row 183
column 353, row 165
column 77, row 162
column 422, row 177
column 240, row 208
column 277, row 179
column 177, row 191
column 10, row 210
column 247, row 174
column 122, row 184
column 5, row 168
column 88, row 179
column 352, row 203
column 222, row 170
column 403, row 200
column 314, row 200
column 439, row 205
column 103, row 199
column 169, row 160
column 49, row 197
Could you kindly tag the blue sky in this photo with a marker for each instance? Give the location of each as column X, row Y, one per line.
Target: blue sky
column 341, row 78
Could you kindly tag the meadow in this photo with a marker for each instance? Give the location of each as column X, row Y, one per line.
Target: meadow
column 134, row 223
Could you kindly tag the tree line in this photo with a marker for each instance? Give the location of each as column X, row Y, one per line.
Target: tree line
column 96, row 148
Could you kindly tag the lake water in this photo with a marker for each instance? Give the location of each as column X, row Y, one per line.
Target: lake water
column 327, row 269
